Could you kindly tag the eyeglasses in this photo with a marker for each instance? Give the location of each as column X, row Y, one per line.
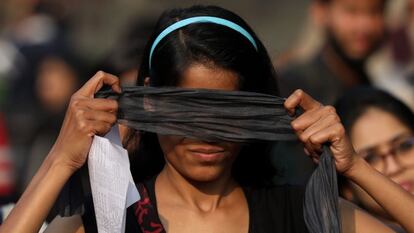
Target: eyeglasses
column 400, row 150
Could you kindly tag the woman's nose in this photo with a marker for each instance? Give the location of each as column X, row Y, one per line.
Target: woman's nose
column 392, row 166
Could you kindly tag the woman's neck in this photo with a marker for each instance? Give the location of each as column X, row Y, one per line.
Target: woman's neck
column 204, row 196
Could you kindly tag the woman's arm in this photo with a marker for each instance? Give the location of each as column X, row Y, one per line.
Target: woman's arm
column 35, row 203
column 396, row 201
column 84, row 118
column 319, row 125
column 72, row 224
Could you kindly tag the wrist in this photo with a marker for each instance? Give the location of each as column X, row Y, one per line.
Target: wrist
column 359, row 165
column 62, row 170
column 56, row 161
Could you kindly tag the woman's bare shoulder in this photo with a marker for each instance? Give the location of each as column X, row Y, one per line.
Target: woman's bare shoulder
column 357, row 220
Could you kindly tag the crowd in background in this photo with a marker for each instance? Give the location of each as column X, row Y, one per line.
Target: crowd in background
column 47, row 52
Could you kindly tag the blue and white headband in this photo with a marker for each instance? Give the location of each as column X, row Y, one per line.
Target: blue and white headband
column 200, row 19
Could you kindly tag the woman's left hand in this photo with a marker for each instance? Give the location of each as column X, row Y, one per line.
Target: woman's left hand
column 319, row 125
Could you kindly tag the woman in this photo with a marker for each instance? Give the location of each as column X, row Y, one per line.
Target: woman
column 381, row 129
column 199, row 188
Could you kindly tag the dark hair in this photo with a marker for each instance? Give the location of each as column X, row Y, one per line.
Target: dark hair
column 218, row 47
column 357, row 101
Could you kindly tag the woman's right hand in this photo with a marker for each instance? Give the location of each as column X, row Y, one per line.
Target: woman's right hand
column 85, row 117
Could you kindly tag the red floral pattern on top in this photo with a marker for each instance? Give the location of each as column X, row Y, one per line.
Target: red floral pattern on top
column 145, row 213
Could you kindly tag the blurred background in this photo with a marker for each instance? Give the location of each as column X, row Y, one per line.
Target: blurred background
column 49, row 48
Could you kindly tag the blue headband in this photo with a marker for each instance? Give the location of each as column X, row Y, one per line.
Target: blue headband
column 200, row 19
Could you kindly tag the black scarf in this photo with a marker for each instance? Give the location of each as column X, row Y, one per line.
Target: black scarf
column 230, row 116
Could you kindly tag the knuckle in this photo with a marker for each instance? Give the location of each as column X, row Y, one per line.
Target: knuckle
column 100, row 74
column 333, row 118
column 303, row 137
column 80, row 113
column 330, row 109
column 82, row 126
column 313, row 139
column 73, row 97
column 299, row 92
column 336, row 118
column 340, row 130
column 295, row 125
column 74, row 102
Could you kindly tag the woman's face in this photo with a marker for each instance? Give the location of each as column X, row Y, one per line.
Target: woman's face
column 387, row 144
column 199, row 160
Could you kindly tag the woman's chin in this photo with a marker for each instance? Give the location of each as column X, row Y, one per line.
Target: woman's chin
column 205, row 174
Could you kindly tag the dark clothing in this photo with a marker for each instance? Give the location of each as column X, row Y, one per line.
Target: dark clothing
column 326, row 77
column 272, row 209
column 315, row 78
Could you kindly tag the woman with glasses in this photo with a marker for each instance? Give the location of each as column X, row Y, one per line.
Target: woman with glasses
column 199, row 184
column 381, row 129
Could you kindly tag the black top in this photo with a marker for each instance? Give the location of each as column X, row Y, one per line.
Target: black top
column 322, row 80
column 315, row 78
column 271, row 210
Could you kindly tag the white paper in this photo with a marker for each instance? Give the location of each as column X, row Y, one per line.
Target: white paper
column 113, row 189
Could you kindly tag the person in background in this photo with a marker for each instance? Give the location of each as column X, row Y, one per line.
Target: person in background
column 354, row 29
column 34, row 31
column 57, row 78
column 194, row 189
column 392, row 67
column 381, row 129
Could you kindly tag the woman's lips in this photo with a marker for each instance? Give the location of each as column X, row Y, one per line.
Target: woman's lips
column 208, row 153
column 407, row 185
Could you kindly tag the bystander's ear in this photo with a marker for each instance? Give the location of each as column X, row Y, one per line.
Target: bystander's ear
column 318, row 11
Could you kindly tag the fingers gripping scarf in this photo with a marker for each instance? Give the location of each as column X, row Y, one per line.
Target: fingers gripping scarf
column 230, row 116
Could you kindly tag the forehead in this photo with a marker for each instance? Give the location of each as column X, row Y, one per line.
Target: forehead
column 359, row 3
column 209, row 77
column 375, row 127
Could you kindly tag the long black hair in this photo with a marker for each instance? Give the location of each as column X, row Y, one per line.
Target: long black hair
column 215, row 46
